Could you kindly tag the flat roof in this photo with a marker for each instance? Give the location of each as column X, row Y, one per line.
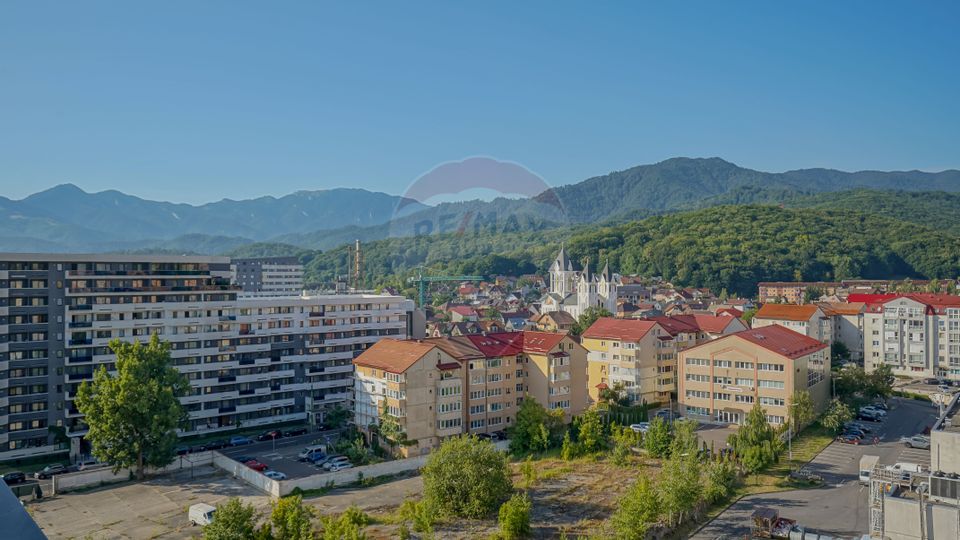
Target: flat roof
column 110, row 257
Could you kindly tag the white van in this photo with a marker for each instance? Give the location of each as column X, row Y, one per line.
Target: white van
column 867, row 463
column 201, row 514
column 311, row 449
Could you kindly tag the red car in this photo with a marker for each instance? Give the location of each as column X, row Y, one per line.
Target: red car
column 849, row 439
column 256, row 465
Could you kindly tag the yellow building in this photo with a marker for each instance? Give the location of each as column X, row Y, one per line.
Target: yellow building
column 719, row 381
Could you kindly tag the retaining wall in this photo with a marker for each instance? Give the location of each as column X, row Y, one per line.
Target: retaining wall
column 104, row 475
column 248, row 475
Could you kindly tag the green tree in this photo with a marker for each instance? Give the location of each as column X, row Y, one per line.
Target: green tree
column 347, row 526
column 133, row 415
column 657, row 438
column 850, row 381
column 234, row 521
column 680, row 486
column 466, row 477
column 568, row 449
column 880, row 382
column 422, row 514
column 685, row 440
column 719, row 479
column 624, row 439
column 756, row 441
column 812, row 294
column 839, row 353
column 291, row 520
column 514, row 517
column 587, row 318
column 637, row 511
column 800, row 409
column 535, row 428
column 748, row 315
column 591, row 437
column 336, row 417
column 838, row 413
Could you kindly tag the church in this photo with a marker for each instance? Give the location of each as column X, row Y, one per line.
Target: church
column 573, row 291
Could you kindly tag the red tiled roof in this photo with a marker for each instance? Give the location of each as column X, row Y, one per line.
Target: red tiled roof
column 622, row 329
column 786, row 312
column 733, row 312
column 675, row 324
column 490, row 346
column 778, row 339
column 466, row 311
column 712, row 324
column 532, row 341
column 870, row 298
column 935, row 302
column 393, row 355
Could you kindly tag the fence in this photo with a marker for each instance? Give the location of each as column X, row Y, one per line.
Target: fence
column 248, row 475
column 62, row 483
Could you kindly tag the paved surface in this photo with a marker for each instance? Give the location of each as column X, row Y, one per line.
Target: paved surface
column 839, row 507
column 152, row 509
column 281, row 455
column 714, row 435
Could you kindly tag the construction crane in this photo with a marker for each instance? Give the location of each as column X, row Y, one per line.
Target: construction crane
column 422, row 281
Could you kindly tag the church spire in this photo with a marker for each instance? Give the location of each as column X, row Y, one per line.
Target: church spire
column 562, row 260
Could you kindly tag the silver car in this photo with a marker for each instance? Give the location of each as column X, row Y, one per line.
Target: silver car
column 917, row 441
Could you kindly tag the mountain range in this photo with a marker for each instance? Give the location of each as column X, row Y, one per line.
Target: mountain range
column 66, row 218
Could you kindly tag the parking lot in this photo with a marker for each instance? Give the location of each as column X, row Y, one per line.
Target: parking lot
column 839, row 507
column 281, row 455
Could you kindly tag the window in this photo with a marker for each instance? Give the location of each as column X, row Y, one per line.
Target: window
column 721, row 396
column 763, row 383
column 722, row 380
column 776, row 402
column 565, row 404
column 448, row 424
column 703, row 394
column 744, row 365
column 450, row 390
column 743, row 399
column 478, row 409
column 449, row 407
column 722, row 363
column 698, row 411
column 773, row 419
column 770, row 367
column 697, row 378
column 745, row 382
column 476, row 424
column 697, row 362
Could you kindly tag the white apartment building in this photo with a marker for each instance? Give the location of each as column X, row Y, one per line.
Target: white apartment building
column 268, row 276
column 251, row 360
column 917, row 335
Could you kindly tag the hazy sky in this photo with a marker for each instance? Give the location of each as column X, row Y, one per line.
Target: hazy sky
column 196, row 101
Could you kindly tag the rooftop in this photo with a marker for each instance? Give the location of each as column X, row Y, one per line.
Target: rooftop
column 394, row 355
column 621, row 329
column 777, row 339
column 786, row 312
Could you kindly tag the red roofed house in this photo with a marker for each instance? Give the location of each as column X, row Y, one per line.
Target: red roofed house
column 719, row 381
column 462, row 313
column 916, row 334
column 807, row 319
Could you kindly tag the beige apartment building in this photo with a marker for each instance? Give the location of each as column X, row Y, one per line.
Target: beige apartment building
column 422, row 387
column 440, row 387
column 847, row 325
column 719, row 381
column 807, row 319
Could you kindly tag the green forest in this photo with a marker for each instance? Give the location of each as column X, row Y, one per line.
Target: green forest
column 731, row 247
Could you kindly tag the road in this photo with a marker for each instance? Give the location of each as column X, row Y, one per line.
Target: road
column 281, row 455
column 839, row 507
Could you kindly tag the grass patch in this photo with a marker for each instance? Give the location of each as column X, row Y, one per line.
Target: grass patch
column 363, row 483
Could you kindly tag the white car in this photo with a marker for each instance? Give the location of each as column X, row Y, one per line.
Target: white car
column 917, row 441
column 275, row 475
column 870, row 409
column 642, row 427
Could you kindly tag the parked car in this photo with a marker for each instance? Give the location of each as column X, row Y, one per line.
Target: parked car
column 256, row 465
column 944, row 389
column 849, row 439
column 240, row 441
column 87, row 463
column 295, row 432
column 270, row 435
column 201, row 514
column 218, row 444
column 275, row 475
column 873, row 410
column 183, row 450
column 499, row 435
column 14, row 478
column 340, row 465
column 868, row 416
column 199, row 448
column 917, row 441
column 50, row 471
column 642, row 427
column 335, row 461
column 854, row 431
column 862, row 427
column 310, row 449
column 244, row 458
column 881, row 405
column 317, row 457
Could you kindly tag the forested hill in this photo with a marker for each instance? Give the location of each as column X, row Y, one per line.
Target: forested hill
column 731, row 247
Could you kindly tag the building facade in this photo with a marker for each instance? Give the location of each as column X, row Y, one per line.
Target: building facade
column 808, row 319
column 917, row 335
column 250, row 360
column 793, row 292
column 268, row 276
column 847, row 327
column 719, row 381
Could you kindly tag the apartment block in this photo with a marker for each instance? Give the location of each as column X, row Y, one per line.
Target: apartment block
column 493, row 373
column 808, row 319
column 847, row 327
column 251, row 360
column 641, row 354
column 719, row 381
column 793, row 292
column 917, row 335
column 268, row 276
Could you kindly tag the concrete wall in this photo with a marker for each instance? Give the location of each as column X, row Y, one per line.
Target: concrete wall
column 105, row 475
column 902, row 520
column 248, row 475
column 945, row 451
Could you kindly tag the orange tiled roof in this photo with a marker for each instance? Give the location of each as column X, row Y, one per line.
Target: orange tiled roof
column 777, row 339
column 786, row 312
column 622, row 329
column 394, row 355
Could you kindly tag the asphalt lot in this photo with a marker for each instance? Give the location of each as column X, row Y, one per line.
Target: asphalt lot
column 840, row 506
column 281, row 455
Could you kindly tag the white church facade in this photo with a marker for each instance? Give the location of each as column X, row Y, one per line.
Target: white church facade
column 574, row 291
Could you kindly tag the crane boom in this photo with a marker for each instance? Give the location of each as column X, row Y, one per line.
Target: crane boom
column 422, row 281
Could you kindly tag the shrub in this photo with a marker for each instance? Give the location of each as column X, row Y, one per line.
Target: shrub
column 514, row 517
column 466, row 477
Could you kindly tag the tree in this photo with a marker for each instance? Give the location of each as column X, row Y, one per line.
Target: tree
column 568, row 449
column 748, row 315
column 133, row 415
column 535, row 429
column 880, row 382
column 812, row 294
column 347, row 526
column 336, row 417
column 756, row 441
column 684, row 438
column 637, row 511
column 234, row 521
column 680, row 486
column 389, row 427
column 466, row 477
column 800, row 409
column 849, row 381
column 587, row 318
column 838, row 413
column 615, row 394
column 290, row 519
column 591, row 435
column 839, row 353
column 514, row 517
column 421, row 514
column 657, row 438
column 624, row 439
column 719, row 479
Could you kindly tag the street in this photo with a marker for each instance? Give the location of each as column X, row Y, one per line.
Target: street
column 839, row 507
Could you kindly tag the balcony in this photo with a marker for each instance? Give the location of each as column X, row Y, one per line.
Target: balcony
column 82, row 324
column 74, row 342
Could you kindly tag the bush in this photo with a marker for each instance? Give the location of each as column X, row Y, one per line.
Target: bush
column 514, row 517
column 657, row 439
column 637, row 511
column 466, row 477
column 719, row 481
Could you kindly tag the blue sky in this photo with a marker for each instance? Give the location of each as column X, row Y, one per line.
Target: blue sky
column 198, row 101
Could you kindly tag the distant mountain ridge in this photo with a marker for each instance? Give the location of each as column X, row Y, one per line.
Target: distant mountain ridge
column 66, row 218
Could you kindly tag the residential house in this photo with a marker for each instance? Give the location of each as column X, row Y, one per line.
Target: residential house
column 808, row 319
